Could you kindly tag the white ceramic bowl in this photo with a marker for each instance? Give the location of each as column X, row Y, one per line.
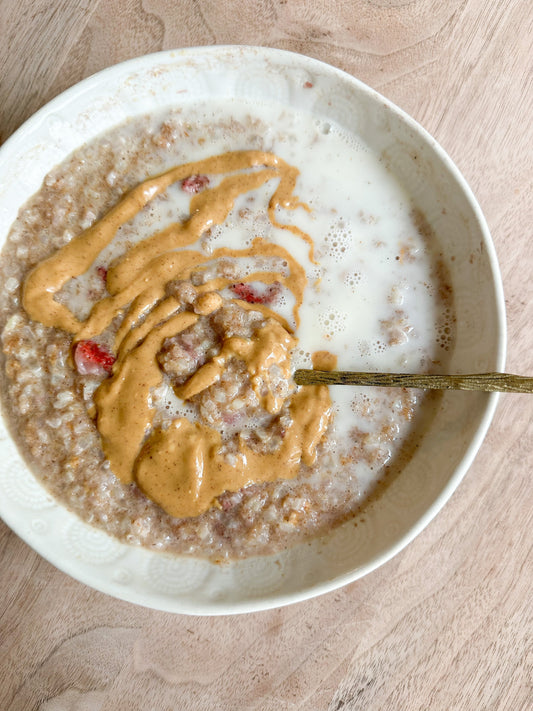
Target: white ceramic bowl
column 196, row 586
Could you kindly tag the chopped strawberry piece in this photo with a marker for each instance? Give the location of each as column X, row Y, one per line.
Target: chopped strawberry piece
column 194, row 184
column 102, row 273
column 92, row 359
column 248, row 293
column 308, row 85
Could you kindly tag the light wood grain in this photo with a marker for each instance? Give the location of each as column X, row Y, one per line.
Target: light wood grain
column 447, row 623
column 484, row 382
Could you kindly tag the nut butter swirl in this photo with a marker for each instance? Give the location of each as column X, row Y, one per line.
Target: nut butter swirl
column 181, row 467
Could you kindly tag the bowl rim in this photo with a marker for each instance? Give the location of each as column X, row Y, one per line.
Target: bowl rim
column 290, row 58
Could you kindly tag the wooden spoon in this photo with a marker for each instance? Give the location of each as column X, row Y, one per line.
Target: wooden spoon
column 486, row 382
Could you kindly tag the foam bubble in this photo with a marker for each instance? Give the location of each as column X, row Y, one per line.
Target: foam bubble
column 301, row 358
column 352, row 280
column 333, row 321
column 338, row 241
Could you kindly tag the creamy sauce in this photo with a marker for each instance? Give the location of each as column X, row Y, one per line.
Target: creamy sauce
column 181, row 467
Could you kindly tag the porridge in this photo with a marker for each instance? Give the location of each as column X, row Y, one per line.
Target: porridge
column 159, row 292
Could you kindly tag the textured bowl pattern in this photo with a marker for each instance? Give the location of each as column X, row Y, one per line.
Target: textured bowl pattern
column 195, row 586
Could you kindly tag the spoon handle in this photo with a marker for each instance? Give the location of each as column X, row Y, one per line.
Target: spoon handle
column 486, row 382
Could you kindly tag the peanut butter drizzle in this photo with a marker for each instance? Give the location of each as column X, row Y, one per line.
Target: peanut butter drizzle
column 297, row 281
column 207, row 303
column 208, row 208
column 163, row 269
column 181, row 467
column 324, row 360
column 266, row 312
column 122, row 401
column 160, row 313
column 76, row 257
column 272, row 344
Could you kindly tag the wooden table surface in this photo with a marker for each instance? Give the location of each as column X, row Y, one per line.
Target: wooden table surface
column 446, row 624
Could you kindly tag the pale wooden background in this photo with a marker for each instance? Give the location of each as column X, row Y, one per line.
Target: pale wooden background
column 447, row 624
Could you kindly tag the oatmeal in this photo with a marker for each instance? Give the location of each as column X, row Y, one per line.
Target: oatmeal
column 159, row 296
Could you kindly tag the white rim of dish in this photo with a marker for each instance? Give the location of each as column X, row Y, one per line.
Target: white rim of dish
column 278, row 600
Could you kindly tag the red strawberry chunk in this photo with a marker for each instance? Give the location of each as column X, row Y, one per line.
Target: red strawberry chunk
column 252, row 295
column 194, row 184
column 102, row 273
column 92, row 359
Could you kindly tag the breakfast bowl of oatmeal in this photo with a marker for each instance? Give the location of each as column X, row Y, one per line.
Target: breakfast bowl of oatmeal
column 180, row 233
